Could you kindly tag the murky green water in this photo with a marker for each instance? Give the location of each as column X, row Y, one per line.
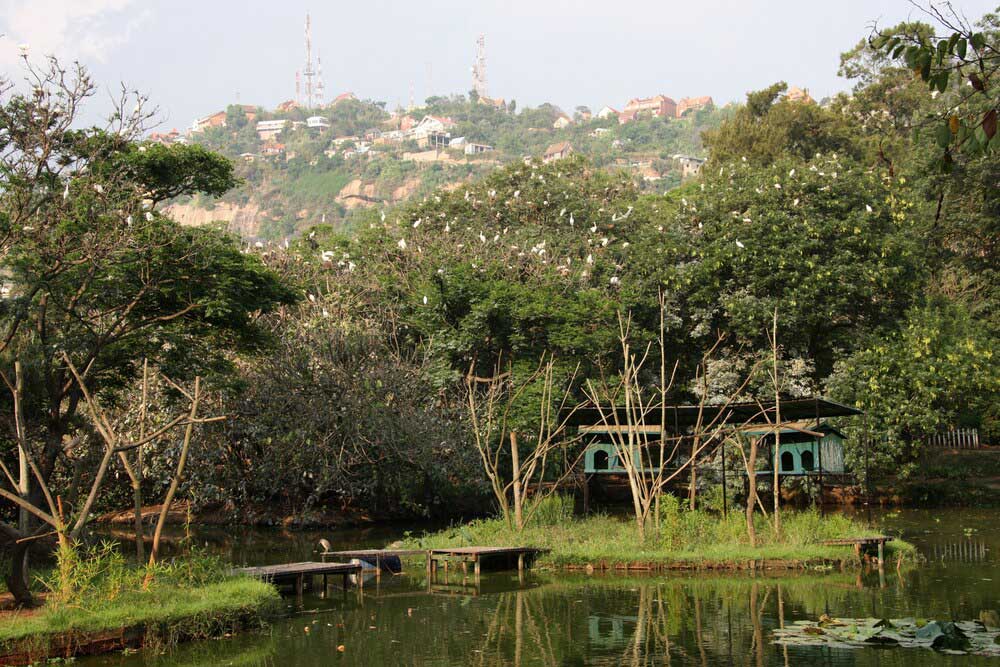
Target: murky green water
column 566, row 620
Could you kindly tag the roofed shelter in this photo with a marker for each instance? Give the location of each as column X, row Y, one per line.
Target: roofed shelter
column 808, row 446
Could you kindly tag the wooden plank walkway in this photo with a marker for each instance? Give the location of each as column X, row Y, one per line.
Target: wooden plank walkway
column 374, row 556
column 860, row 543
column 475, row 555
column 298, row 572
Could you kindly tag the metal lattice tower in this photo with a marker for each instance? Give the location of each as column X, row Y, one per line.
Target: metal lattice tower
column 308, row 72
column 320, row 88
column 479, row 68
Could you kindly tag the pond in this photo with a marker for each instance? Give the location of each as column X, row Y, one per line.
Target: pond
column 567, row 620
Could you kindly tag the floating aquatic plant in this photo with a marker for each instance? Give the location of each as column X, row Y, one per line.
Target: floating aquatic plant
column 980, row 637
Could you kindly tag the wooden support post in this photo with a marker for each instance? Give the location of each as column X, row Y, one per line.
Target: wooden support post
column 476, row 567
column 881, row 553
column 520, row 562
column 299, row 584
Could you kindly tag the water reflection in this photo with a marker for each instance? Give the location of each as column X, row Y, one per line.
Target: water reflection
column 603, row 620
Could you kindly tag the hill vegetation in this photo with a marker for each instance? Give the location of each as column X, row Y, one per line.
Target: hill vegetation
column 328, row 174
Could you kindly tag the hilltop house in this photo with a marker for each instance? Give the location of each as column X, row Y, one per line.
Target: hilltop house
column 607, row 112
column 495, row 102
column 217, row 119
column 475, row 149
column 689, row 104
column 562, row 121
column 272, row 149
column 796, row 94
column 658, row 105
column 690, row 166
column 343, row 97
column 432, row 131
column 171, row 137
column 269, row 129
column 288, row 105
column 557, row 151
column 317, row 123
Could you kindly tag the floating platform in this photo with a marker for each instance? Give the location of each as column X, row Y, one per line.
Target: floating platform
column 383, row 560
column 298, row 573
column 861, row 544
column 476, row 555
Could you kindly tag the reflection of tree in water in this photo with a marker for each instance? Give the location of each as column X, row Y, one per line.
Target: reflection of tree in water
column 648, row 622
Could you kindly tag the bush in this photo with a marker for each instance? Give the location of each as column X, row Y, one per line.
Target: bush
column 552, row 510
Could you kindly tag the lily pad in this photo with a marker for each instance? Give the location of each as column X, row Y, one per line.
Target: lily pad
column 962, row 637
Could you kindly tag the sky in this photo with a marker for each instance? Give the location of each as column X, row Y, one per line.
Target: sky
column 193, row 57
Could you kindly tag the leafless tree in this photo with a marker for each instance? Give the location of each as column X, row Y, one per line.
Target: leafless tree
column 491, row 402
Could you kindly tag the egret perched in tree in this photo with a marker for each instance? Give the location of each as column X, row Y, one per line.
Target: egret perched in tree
column 739, row 244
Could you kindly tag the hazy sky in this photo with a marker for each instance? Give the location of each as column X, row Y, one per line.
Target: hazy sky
column 194, row 56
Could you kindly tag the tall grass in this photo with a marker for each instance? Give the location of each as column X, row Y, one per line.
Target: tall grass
column 684, row 537
column 97, row 589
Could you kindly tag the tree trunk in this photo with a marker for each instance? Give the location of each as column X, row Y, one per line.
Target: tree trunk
column 515, row 462
column 18, row 577
column 140, row 547
column 693, row 488
column 777, row 424
column 752, row 490
column 175, row 482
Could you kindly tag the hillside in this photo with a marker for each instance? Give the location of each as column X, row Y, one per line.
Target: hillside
column 304, row 167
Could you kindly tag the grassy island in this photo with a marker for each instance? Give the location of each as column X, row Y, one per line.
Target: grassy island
column 685, row 540
column 113, row 607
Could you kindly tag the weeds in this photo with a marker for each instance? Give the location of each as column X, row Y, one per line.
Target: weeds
column 683, row 536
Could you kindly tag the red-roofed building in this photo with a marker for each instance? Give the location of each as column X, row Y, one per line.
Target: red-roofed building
column 557, row 151
column 217, row 119
column 689, row 104
column 343, row 97
column 658, row 105
column 166, row 138
column 288, row 105
column 272, row 149
column 796, row 94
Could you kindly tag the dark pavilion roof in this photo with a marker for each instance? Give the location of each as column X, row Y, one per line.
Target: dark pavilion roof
column 682, row 416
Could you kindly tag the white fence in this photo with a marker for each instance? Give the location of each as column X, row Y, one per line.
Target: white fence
column 957, row 438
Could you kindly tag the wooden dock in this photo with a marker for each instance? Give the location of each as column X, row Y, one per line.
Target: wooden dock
column 862, row 543
column 298, row 573
column 376, row 557
column 476, row 555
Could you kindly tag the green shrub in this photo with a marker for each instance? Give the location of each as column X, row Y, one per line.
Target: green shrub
column 552, row 510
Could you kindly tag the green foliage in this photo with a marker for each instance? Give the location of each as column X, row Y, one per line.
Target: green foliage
column 552, row 510
column 967, row 56
column 685, row 537
column 766, row 130
column 939, row 370
column 829, row 243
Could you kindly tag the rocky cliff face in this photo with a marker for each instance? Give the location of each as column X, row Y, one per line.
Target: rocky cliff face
column 243, row 220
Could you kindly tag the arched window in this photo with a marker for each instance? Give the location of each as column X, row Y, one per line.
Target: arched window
column 601, row 460
column 787, row 462
column 807, row 460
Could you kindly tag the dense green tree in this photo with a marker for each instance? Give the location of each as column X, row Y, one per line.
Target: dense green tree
column 829, row 243
column 767, row 128
column 938, row 371
column 95, row 274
